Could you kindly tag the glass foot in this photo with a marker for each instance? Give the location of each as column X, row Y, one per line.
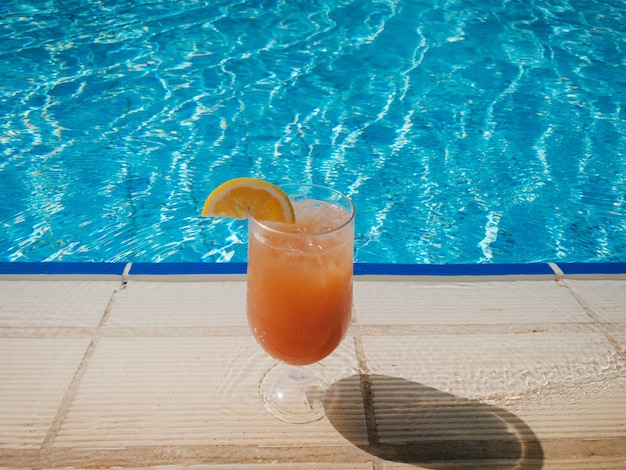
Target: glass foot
column 297, row 394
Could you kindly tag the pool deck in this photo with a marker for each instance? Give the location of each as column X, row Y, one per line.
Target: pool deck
column 134, row 366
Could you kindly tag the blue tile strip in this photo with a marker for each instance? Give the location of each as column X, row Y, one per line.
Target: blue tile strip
column 187, row 268
column 62, row 268
column 592, row 268
column 156, row 269
column 452, row 269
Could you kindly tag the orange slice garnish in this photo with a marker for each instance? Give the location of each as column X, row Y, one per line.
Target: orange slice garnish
column 264, row 200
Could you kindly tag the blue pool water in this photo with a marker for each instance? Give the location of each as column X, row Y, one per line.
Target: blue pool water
column 466, row 131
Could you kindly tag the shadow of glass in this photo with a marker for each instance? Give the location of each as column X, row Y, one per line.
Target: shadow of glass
column 411, row 423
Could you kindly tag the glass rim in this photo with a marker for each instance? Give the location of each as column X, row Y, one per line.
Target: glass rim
column 276, row 228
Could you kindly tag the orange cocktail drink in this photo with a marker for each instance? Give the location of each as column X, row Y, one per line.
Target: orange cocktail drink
column 300, row 282
column 299, row 297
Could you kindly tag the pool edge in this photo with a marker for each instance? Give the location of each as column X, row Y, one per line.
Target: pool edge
column 364, row 271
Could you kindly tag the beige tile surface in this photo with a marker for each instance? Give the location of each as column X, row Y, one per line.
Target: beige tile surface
column 34, row 377
column 484, row 366
column 180, row 304
column 433, row 374
column 258, row 466
column 620, row 339
column 592, row 463
column 54, row 303
column 184, row 391
column 606, row 298
column 443, row 303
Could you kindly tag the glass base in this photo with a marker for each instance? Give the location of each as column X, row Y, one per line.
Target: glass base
column 297, row 394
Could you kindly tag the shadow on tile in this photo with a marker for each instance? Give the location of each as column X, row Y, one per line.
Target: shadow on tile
column 411, row 423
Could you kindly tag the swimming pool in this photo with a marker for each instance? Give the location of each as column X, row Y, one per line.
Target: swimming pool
column 465, row 131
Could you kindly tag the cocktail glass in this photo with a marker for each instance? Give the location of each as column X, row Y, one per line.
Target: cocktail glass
column 299, row 298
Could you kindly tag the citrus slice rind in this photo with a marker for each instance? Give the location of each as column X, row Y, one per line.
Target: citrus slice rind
column 265, row 201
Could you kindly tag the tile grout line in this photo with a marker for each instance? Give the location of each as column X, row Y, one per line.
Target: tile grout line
column 558, row 272
column 365, row 384
column 367, row 398
column 72, row 389
column 589, row 310
column 126, row 273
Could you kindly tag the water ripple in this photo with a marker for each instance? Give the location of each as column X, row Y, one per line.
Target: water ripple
column 465, row 132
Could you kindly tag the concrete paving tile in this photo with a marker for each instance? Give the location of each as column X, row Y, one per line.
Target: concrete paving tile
column 34, row 376
column 54, row 303
column 517, row 370
column 590, row 409
column 187, row 391
column 491, row 302
column 180, row 304
column 589, row 463
column 426, row 424
column 481, row 366
column 606, row 297
column 458, row 464
column 249, row 466
column 597, row 463
column 521, row 398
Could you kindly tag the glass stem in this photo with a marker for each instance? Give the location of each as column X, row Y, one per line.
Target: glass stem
column 297, row 373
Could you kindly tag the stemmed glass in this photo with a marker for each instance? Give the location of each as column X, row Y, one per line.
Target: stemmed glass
column 299, row 298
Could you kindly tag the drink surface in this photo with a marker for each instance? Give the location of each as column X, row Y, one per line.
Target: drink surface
column 300, row 283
